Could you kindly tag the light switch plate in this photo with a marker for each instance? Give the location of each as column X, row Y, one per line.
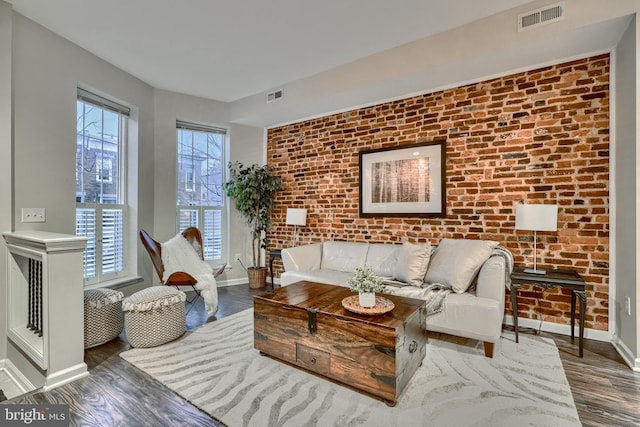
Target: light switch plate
column 33, row 215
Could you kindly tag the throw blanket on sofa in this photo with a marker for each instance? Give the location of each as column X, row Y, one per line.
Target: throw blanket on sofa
column 179, row 255
column 435, row 293
column 508, row 263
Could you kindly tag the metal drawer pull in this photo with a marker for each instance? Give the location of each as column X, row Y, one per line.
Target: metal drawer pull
column 413, row 347
column 313, row 360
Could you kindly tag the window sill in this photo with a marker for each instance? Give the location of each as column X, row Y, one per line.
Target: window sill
column 116, row 283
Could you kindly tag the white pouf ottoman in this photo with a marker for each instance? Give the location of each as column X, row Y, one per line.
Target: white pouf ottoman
column 154, row 316
column 103, row 318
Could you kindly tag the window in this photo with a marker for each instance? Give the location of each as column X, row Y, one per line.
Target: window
column 101, row 206
column 201, row 174
column 189, row 186
column 103, row 169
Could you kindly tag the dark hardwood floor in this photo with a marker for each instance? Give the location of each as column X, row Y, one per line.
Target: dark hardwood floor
column 606, row 391
column 118, row 394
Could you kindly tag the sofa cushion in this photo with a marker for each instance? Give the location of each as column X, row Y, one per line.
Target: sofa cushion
column 305, row 257
column 412, row 263
column 382, row 259
column 455, row 262
column 469, row 316
column 343, row 256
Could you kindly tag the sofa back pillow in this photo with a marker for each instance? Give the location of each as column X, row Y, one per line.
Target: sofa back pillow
column 382, row 259
column 413, row 260
column 343, row 256
column 456, row 262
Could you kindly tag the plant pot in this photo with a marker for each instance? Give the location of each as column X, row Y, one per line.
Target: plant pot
column 257, row 277
column 367, row 299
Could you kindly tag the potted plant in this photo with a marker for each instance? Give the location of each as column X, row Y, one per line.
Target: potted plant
column 252, row 188
column 366, row 283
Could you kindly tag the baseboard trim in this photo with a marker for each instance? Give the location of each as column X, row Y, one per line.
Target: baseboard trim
column 232, row 282
column 16, row 376
column 626, row 353
column 557, row 328
column 65, row 376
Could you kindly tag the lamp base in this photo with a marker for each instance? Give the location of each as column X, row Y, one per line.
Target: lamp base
column 535, row 271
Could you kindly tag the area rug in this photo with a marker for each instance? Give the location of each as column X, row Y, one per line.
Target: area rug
column 217, row 369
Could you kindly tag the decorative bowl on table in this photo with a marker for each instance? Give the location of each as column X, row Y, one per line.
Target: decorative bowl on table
column 382, row 306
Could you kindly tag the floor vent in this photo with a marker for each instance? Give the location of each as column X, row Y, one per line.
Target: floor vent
column 274, row 96
column 542, row 16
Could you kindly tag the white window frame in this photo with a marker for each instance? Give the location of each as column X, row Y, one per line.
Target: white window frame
column 203, row 213
column 98, row 244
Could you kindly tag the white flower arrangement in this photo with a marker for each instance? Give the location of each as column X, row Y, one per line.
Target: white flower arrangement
column 365, row 281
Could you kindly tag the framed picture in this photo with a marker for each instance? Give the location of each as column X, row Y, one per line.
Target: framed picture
column 403, row 181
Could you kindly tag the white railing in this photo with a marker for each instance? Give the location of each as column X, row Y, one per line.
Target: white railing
column 45, row 307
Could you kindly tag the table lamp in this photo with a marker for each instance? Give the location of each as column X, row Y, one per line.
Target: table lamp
column 536, row 218
column 296, row 217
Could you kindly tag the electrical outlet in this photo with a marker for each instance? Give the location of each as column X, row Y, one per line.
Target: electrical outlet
column 627, row 305
column 33, row 215
column 237, row 258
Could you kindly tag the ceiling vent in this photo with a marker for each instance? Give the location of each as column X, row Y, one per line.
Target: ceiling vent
column 542, row 16
column 275, row 95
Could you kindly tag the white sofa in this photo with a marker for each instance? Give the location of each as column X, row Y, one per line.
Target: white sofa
column 476, row 312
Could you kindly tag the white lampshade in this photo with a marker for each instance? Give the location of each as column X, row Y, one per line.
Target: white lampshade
column 296, row 216
column 536, row 217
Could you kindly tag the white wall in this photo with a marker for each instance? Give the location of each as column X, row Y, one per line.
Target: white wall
column 246, row 147
column 477, row 51
column 47, row 70
column 626, row 194
column 39, row 76
column 5, row 155
column 245, row 144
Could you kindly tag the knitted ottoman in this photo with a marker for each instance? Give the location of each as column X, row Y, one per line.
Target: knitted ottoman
column 102, row 316
column 154, row 316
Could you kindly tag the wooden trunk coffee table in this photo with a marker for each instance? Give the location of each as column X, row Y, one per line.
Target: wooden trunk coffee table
column 305, row 324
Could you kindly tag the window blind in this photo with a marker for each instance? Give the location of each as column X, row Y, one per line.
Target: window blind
column 200, row 128
column 102, row 102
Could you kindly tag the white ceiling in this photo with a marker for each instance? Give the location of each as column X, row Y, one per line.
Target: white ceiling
column 228, row 50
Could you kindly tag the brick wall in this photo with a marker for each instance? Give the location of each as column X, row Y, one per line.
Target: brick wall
column 540, row 136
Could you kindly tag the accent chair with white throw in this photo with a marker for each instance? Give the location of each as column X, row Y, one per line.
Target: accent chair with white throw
column 179, row 262
column 462, row 280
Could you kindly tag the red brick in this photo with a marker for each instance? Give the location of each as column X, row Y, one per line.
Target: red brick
column 540, row 136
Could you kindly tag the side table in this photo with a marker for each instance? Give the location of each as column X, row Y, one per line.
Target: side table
column 273, row 254
column 565, row 279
